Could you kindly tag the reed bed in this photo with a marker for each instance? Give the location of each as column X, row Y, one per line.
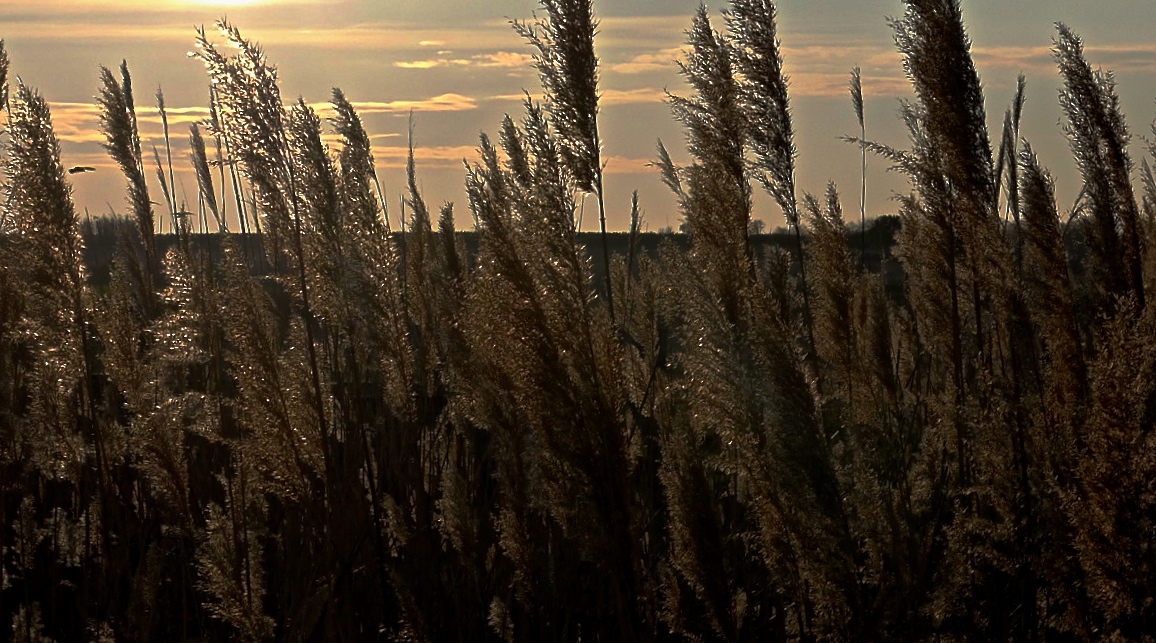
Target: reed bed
column 319, row 428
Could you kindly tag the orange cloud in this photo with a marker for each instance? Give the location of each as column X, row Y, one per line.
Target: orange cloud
column 175, row 116
column 400, row 153
column 634, row 32
column 815, row 68
column 99, row 160
column 385, row 36
column 1018, row 58
column 831, row 85
column 80, row 122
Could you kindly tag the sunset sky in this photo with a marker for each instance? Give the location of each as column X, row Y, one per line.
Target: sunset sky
column 458, row 66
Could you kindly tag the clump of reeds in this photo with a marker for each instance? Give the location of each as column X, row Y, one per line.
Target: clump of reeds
column 435, row 435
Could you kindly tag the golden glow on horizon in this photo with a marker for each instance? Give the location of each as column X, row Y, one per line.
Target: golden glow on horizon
column 231, row 3
column 152, row 6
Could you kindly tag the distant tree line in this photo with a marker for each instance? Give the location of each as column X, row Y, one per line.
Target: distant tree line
column 104, row 236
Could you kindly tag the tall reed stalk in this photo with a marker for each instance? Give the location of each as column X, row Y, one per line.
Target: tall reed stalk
column 856, row 89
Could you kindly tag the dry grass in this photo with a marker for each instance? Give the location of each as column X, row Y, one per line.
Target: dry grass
column 360, row 434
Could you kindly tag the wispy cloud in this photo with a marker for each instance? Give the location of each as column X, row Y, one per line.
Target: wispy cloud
column 395, row 156
column 432, row 63
column 175, row 116
column 442, row 103
column 627, row 165
column 608, row 96
column 76, row 28
column 498, row 59
column 517, row 98
column 831, row 85
column 505, row 59
column 76, row 122
column 97, row 32
column 80, row 122
column 636, row 32
column 633, row 96
column 661, row 60
column 71, row 157
column 1139, row 58
column 90, row 7
column 387, row 36
column 816, row 65
column 1123, row 58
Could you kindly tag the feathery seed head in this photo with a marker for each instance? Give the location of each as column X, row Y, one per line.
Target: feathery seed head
column 568, row 68
column 122, row 142
column 765, row 102
column 200, row 161
column 937, row 57
column 3, row 75
column 856, row 88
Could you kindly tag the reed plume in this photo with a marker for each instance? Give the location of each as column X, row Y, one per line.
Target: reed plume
column 358, row 174
column 1099, row 140
column 758, row 63
column 168, row 182
column 118, row 122
column 754, row 423
column 765, row 102
column 568, row 68
column 4, row 64
column 203, row 169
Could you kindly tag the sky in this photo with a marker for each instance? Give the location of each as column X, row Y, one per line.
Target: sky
column 458, row 67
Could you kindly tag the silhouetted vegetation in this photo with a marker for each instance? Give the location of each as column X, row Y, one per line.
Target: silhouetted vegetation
column 316, row 427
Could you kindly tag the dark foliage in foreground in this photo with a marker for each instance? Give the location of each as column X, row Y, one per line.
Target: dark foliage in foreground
column 324, row 429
